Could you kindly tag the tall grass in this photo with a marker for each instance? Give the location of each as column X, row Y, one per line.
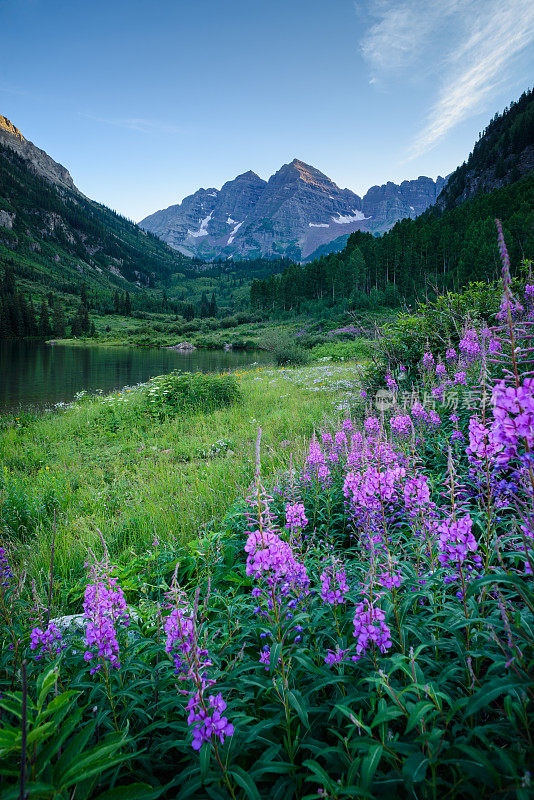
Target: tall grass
column 113, row 465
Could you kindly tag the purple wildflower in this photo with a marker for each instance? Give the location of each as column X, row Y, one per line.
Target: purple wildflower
column 334, row 584
column 296, row 516
column 456, row 540
column 207, row 720
column 104, row 606
column 49, row 640
column 334, row 656
column 370, row 627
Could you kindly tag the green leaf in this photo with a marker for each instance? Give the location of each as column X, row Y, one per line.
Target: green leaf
column 370, row 765
column 295, row 698
column 204, row 758
column 58, row 702
column 75, row 747
column 48, row 681
column 246, row 782
column 12, row 703
column 487, row 694
column 353, row 718
column 415, row 767
column 385, row 714
column 36, row 789
column 418, row 712
column 319, row 773
column 80, row 772
column 134, row 791
column 276, row 652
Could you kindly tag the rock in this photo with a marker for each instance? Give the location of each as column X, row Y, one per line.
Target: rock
column 6, row 219
column 182, row 347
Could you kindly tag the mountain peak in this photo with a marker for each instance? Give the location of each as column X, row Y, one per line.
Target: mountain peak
column 8, row 127
column 249, row 175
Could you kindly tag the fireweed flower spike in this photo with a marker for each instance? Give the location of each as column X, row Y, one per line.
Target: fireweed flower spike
column 370, row 628
column 296, row 516
column 192, row 663
column 104, row 608
column 334, row 584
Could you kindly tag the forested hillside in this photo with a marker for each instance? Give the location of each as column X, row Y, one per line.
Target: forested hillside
column 57, row 239
column 502, row 155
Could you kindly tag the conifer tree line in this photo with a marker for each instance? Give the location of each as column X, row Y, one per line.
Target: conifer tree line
column 19, row 318
column 438, row 250
column 448, row 246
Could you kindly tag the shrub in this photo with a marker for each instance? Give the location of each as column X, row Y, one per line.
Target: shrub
column 285, row 349
column 181, row 391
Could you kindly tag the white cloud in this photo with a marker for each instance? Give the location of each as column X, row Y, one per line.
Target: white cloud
column 134, row 123
column 469, row 44
column 402, row 32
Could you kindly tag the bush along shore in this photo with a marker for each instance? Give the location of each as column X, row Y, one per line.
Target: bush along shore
column 359, row 625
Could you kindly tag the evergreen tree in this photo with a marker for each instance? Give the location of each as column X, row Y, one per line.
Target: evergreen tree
column 44, row 320
column 212, row 310
column 204, row 306
column 58, row 321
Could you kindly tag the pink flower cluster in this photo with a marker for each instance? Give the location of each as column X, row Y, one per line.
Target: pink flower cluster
column 402, row 426
column 181, row 636
column 334, row 584
column 370, row 628
column 104, row 606
column 456, row 540
column 373, row 487
column 482, row 443
column 207, row 719
column 428, row 360
column 513, row 426
column 5, row 570
column 49, row 640
column 335, row 657
column 416, row 494
column 316, row 461
column 296, row 518
column 470, row 345
column 270, row 557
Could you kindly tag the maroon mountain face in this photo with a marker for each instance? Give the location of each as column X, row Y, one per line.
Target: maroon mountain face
column 297, row 212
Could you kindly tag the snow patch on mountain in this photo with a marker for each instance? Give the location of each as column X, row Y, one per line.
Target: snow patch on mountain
column 344, row 219
column 231, row 237
column 318, row 224
column 203, row 227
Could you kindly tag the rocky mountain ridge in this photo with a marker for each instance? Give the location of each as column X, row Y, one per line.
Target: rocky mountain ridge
column 298, row 211
column 39, row 161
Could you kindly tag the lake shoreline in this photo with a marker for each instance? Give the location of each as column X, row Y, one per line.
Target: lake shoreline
column 40, row 375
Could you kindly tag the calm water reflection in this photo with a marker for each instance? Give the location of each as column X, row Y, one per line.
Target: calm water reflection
column 36, row 374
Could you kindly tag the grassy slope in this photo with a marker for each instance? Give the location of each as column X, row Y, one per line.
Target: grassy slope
column 106, row 465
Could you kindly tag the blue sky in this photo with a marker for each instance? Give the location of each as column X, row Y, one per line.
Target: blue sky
column 145, row 101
